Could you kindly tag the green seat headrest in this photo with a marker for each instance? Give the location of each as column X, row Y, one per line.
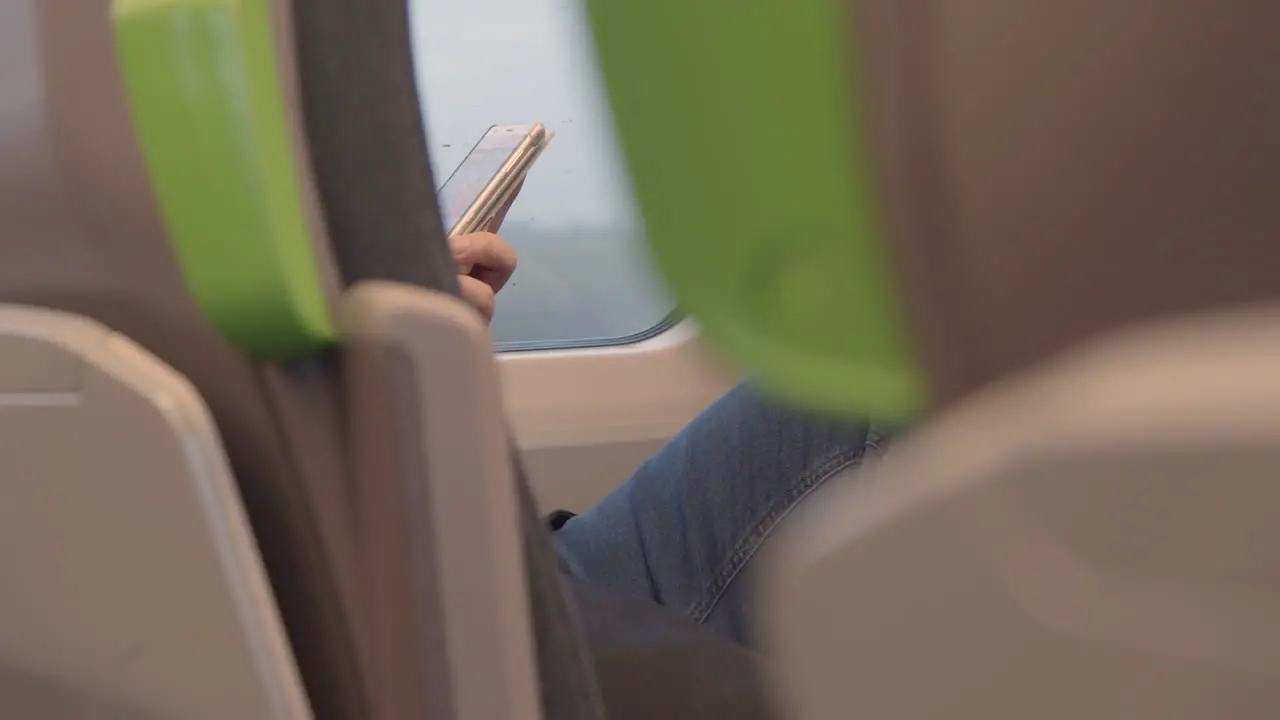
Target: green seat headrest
column 209, row 113
column 740, row 123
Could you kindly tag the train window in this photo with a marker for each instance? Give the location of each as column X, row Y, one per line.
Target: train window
column 585, row 277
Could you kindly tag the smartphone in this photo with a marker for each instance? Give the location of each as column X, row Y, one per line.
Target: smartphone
column 482, row 184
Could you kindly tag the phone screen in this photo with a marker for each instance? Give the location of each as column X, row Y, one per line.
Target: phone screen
column 478, row 169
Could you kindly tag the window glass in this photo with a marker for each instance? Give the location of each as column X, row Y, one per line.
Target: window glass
column 584, row 276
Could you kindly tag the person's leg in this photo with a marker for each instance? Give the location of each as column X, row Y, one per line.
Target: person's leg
column 684, row 526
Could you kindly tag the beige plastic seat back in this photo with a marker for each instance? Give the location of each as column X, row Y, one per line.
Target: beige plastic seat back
column 1082, row 207
column 134, row 586
column 187, row 533
column 1094, row 539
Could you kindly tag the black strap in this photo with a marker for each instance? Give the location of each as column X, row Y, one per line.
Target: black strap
column 369, row 154
column 368, row 149
column 570, row 688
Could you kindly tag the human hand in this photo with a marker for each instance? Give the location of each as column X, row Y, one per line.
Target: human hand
column 485, row 263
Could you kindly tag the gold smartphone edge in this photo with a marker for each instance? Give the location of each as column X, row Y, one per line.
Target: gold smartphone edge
column 506, row 179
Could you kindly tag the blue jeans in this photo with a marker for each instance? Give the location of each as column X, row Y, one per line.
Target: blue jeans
column 683, row 529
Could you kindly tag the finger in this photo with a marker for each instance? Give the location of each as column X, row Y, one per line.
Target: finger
column 478, row 294
column 496, row 224
column 484, row 256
